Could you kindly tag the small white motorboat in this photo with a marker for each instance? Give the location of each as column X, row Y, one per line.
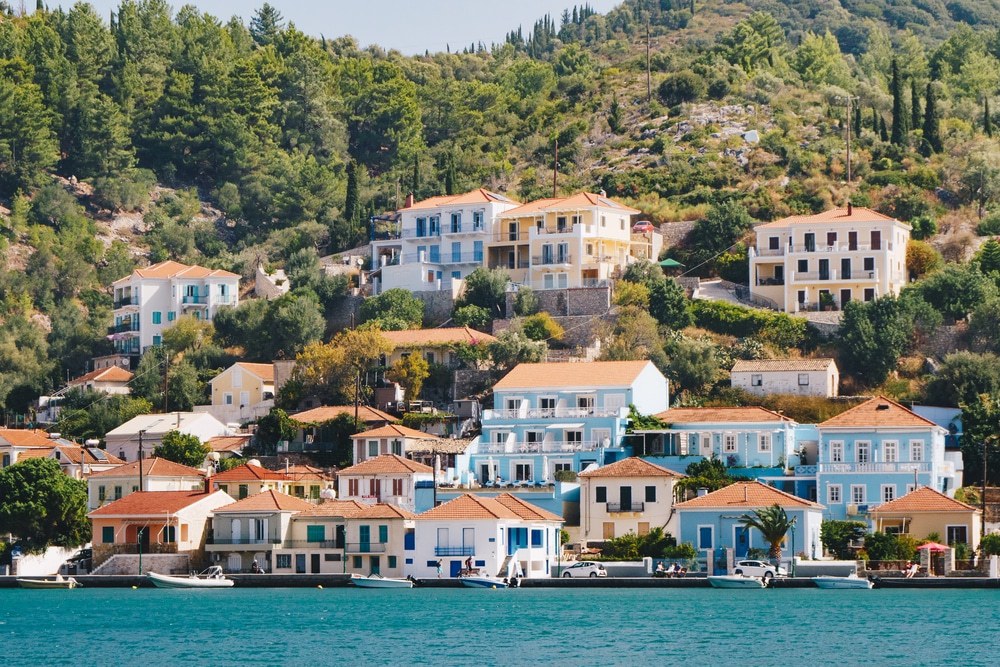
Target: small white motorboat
column 58, row 582
column 476, row 581
column 850, row 581
column 735, row 581
column 378, row 581
column 210, row 578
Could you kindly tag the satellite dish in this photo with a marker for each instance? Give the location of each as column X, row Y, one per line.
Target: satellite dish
column 254, row 462
column 328, row 494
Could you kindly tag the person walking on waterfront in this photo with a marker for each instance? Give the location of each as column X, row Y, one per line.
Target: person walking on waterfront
column 439, row 565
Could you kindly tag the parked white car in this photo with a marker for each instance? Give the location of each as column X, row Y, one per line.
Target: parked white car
column 758, row 568
column 585, row 568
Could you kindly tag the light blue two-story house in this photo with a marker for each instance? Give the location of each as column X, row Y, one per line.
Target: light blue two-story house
column 562, row 416
column 876, row 452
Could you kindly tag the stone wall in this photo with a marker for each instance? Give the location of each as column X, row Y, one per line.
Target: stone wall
column 159, row 563
column 471, row 382
column 945, row 340
column 674, row 233
column 438, row 306
column 570, row 302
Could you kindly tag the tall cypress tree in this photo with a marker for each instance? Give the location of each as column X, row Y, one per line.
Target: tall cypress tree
column 857, row 121
column 899, row 129
column 875, row 125
column 883, row 130
column 932, row 131
column 415, row 185
column 987, row 121
column 915, row 115
column 450, row 177
column 351, row 200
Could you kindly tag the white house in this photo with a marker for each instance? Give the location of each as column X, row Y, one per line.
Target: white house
column 124, row 441
column 247, row 530
column 77, row 462
column 157, row 475
column 151, row 299
column 113, row 380
column 501, row 536
column 628, row 496
column 388, row 478
column 823, row 261
column 804, row 377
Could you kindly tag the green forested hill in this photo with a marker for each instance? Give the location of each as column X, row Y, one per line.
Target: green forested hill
column 179, row 135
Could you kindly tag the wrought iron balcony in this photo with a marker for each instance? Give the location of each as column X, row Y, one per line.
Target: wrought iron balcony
column 625, row 507
column 454, row 551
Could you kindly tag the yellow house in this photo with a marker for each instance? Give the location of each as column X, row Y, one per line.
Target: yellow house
column 347, row 536
column 924, row 511
column 249, row 479
column 823, row 261
column 246, row 531
column 561, row 242
column 437, row 346
column 242, row 392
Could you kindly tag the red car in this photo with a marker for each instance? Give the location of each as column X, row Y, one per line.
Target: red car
column 642, row 226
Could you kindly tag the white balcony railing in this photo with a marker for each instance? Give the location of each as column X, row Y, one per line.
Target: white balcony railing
column 544, row 447
column 552, row 413
column 833, row 275
column 900, row 467
column 802, row 249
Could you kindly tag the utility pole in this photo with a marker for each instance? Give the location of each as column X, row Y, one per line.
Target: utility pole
column 649, row 80
column 141, row 433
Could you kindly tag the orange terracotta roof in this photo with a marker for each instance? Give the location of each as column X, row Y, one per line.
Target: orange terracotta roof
column 327, row 413
column 352, row 509
column 879, row 412
column 504, row 506
column 228, row 443
column 478, row 196
column 73, row 454
column 386, row 464
column 395, row 431
column 247, row 473
column 573, row 374
column 112, row 374
column 834, row 215
column 571, row 203
column 436, row 337
column 306, row 474
column 631, row 467
column 766, row 365
column 747, row 495
column 924, row 499
column 154, row 467
column 146, row 503
column 267, row 501
column 36, row 453
column 172, row 269
column 264, row 371
column 752, row 414
column 18, row 437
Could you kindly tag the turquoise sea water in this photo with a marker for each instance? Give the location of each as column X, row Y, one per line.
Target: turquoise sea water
column 799, row 627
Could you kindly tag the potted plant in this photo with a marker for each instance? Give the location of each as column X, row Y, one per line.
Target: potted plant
column 826, row 301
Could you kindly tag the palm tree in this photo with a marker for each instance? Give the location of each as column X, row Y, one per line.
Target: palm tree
column 773, row 523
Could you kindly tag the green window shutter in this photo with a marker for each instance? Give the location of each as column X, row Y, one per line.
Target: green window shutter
column 108, row 534
column 392, row 562
column 315, row 533
column 383, row 534
column 357, row 562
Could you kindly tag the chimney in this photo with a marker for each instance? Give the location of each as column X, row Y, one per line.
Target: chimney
column 702, row 491
column 850, row 208
column 409, row 200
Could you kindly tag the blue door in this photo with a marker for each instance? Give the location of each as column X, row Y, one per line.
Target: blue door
column 456, row 568
column 742, row 541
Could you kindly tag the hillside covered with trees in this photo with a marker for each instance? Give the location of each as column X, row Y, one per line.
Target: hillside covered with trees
column 153, row 134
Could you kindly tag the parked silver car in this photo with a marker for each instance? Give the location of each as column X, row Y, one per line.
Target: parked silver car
column 585, row 568
column 758, row 568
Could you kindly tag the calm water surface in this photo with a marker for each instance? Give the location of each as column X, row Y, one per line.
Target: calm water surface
column 475, row 627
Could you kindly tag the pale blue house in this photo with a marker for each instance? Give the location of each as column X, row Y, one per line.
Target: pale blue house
column 712, row 522
column 561, row 416
column 876, row 452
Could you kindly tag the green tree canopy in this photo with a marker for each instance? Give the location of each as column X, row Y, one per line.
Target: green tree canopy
column 487, row 288
column 42, row 506
column 773, row 523
column 182, row 448
column 393, row 310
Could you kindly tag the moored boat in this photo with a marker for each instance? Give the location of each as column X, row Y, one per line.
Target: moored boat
column 850, row 581
column 378, row 581
column 58, row 582
column 735, row 581
column 483, row 582
column 210, row 578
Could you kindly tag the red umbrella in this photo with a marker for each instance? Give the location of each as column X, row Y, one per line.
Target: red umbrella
column 934, row 546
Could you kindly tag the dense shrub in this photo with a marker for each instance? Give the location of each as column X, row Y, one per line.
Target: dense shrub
column 779, row 329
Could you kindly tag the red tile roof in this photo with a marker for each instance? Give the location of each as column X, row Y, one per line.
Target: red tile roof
column 228, row 443
column 631, row 467
column 327, row 413
column 436, row 337
column 171, row 269
column 73, row 454
column 352, row 509
column 19, row 437
column 879, row 412
column 504, row 506
column 747, row 496
column 267, row 501
column 154, row 467
column 386, row 464
column 753, row 415
column 478, row 196
column 573, row 202
column 112, row 374
column 834, row 215
column 924, row 499
column 264, row 371
column 395, row 431
column 247, row 473
column 147, row 503
column 772, row 365
column 573, row 375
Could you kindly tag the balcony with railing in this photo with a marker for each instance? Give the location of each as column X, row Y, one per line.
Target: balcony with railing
column 455, row 551
column 125, row 301
column 908, row 467
column 834, row 275
column 365, row 547
column 541, row 447
column 614, row 508
column 553, row 413
column 124, row 327
column 194, row 300
column 312, row 544
column 801, row 248
column 551, row 260
column 443, row 258
column 508, row 236
column 242, row 541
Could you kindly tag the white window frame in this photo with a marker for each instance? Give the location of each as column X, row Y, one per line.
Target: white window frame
column 910, row 488
column 706, row 444
column 730, row 444
column 764, row 443
column 377, row 447
column 835, row 490
column 803, row 379
column 917, row 451
column 522, row 462
column 836, row 451
column 756, row 379
column 890, row 451
column 867, row 448
column 887, row 493
column 227, row 398
column 859, row 494
column 711, row 529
